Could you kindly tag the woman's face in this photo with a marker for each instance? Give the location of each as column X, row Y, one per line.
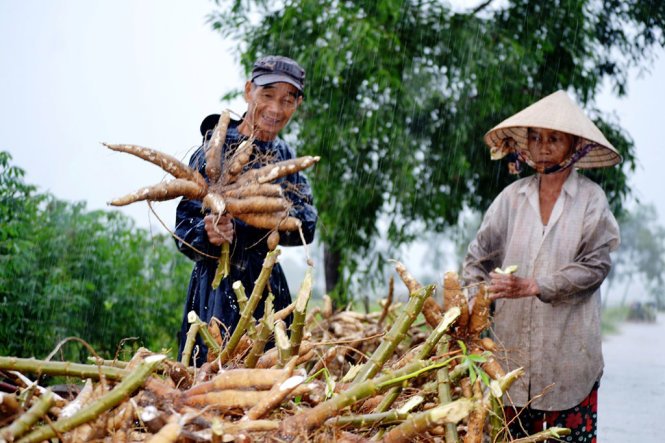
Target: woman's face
column 548, row 147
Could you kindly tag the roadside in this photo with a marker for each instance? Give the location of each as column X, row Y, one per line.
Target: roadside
column 631, row 398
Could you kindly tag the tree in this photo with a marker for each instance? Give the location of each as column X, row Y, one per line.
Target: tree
column 65, row 271
column 639, row 263
column 400, row 93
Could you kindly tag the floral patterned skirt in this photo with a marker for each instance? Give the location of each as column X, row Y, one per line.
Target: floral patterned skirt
column 581, row 420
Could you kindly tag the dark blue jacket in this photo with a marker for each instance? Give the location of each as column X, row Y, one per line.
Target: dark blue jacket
column 248, row 249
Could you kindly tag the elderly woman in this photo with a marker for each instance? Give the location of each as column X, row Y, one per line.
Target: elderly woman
column 556, row 226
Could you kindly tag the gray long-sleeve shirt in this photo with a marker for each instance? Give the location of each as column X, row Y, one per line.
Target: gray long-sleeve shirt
column 555, row 336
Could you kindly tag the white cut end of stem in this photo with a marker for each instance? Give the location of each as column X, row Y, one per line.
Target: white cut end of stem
column 155, row 358
column 191, row 316
column 412, row 403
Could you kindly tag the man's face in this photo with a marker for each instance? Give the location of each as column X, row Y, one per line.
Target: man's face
column 548, row 147
column 269, row 108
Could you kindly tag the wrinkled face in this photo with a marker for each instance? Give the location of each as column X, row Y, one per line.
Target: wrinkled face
column 548, row 147
column 269, row 108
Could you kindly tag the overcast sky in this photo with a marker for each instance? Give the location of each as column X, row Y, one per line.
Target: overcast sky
column 75, row 73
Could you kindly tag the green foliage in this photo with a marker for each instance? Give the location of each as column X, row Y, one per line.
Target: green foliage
column 400, row 93
column 640, row 260
column 612, row 319
column 470, row 362
column 65, row 271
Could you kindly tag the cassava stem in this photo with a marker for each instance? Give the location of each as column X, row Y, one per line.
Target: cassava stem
column 132, row 381
column 22, row 424
column 266, row 327
column 418, row 423
column 395, row 335
column 65, row 368
column 247, row 313
column 300, row 312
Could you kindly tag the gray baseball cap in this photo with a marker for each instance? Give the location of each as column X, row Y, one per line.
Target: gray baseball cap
column 275, row 68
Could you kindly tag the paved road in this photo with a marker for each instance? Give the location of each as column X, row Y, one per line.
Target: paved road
column 631, row 398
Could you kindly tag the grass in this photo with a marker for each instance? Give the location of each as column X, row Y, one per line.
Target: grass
column 612, row 319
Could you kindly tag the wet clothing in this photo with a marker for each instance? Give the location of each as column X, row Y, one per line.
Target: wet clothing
column 248, row 248
column 582, row 420
column 555, row 336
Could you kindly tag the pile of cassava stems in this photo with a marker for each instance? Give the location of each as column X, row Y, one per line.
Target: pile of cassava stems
column 409, row 372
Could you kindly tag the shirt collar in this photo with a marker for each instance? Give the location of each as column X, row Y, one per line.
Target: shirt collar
column 570, row 186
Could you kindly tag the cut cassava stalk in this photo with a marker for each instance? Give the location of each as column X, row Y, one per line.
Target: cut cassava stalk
column 247, row 313
column 21, row 425
column 389, row 300
column 423, row 353
column 223, row 265
column 132, row 381
column 65, row 369
column 402, row 413
column 266, row 327
column 447, row 320
column 553, row 432
column 214, row 152
column 314, row 417
column 396, row 334
column 207, row 337
column 300, row 312
column 101, row 361
column 418, row 423
column 192, row 332
column 443, row 389
column 241, row 297
column 168, row 163
column 282, row 343
column 370, row 420
column 431, row 310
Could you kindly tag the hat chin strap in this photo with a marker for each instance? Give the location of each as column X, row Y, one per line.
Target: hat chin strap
column 573, row 158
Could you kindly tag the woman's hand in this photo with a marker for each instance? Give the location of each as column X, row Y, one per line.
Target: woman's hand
column 510, row 286
column 219, row 228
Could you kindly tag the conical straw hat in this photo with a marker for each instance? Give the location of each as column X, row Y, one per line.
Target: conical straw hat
column 558, row 112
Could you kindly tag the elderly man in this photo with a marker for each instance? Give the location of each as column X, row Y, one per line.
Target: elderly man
column 273, row 93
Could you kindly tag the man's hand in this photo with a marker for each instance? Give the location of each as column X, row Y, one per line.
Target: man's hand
column 219, row 229
column 510, row 286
